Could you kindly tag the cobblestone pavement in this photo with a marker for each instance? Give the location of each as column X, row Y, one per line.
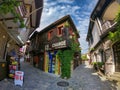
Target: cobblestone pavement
column 83, row 78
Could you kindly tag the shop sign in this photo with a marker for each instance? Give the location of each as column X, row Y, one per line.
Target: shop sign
column 59, row 44
column 18, row 78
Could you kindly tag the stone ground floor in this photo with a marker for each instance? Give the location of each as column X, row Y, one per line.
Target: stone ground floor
column 83, row 78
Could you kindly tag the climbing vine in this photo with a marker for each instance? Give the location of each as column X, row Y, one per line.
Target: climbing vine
column 66, row 56
column 115, row 36
column 8, row 6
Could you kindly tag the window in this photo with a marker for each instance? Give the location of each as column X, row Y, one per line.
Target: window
column 70, row 31
column 60, row 30
column 50, row 34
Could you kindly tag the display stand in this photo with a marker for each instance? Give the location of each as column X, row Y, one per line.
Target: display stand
column 12, row 67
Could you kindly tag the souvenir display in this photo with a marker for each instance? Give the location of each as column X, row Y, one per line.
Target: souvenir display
column 12, row 67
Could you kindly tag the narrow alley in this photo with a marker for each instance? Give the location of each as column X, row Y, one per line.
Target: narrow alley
column 83, row 78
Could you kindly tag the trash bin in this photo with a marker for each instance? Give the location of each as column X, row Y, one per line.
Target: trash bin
column 3, row 69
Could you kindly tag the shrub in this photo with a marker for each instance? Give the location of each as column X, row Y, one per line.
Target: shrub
column 97, row 65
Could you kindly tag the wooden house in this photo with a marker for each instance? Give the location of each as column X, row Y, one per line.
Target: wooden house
column 46, row 43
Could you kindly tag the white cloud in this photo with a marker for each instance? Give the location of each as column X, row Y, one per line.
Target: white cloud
column 58, row 8
column 53, row 13
column 66, row 1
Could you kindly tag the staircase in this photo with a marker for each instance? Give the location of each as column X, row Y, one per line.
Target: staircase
column 114, row 77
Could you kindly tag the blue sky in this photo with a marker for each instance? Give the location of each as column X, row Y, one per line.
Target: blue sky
column 79, row 10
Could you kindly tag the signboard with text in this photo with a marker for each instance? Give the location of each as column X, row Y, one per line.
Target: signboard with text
column 56, row 45
column 18, row 80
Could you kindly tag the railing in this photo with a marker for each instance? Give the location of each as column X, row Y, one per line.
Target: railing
column 107, row 24
column 21, row 9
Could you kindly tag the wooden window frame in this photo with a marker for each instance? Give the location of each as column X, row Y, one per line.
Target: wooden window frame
column 59, row 30
column 50, row 34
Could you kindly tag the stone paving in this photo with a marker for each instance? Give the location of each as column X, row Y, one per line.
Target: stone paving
column 83, row 78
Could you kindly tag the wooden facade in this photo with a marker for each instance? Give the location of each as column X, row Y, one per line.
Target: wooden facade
column 51, row 39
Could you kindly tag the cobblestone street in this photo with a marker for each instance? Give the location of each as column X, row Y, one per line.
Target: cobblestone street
column 83, row 78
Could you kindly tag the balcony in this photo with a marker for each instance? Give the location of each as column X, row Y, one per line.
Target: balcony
column 21, row 9
column 107, row 24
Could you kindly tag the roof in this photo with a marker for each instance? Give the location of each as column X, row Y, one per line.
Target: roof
column 97, row 12
column 63, row 19
column 38, row 3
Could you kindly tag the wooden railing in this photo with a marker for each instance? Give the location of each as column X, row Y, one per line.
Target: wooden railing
column 21, row 9
column 107, row 24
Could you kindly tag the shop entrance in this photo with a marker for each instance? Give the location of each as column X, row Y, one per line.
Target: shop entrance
column 41, row 63
column 52, row 63
column 116, row 49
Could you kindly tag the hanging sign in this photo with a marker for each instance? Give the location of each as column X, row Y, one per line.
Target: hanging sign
column 18, row 80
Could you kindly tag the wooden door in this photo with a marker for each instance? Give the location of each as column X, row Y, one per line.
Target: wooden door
column 116, row 49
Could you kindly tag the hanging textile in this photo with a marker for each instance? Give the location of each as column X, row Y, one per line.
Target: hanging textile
column 50, row 63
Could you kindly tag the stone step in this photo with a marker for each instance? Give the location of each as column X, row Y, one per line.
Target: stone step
column 115, row 77
column 118, row 73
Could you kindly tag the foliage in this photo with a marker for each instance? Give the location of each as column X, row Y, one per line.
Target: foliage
column 66, row 24
column 84, row 57
column 91, row 49
column 66, row 56
column 8, row 6
column 97, row 65
column 115, row 36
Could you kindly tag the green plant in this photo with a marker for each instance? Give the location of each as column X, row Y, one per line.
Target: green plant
column 91, row 49
column 97, row 65
column 66, row 24
column 66, row 56
column 100, row 64
column 115, row 36
column 84, row 57
column 8, row 6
